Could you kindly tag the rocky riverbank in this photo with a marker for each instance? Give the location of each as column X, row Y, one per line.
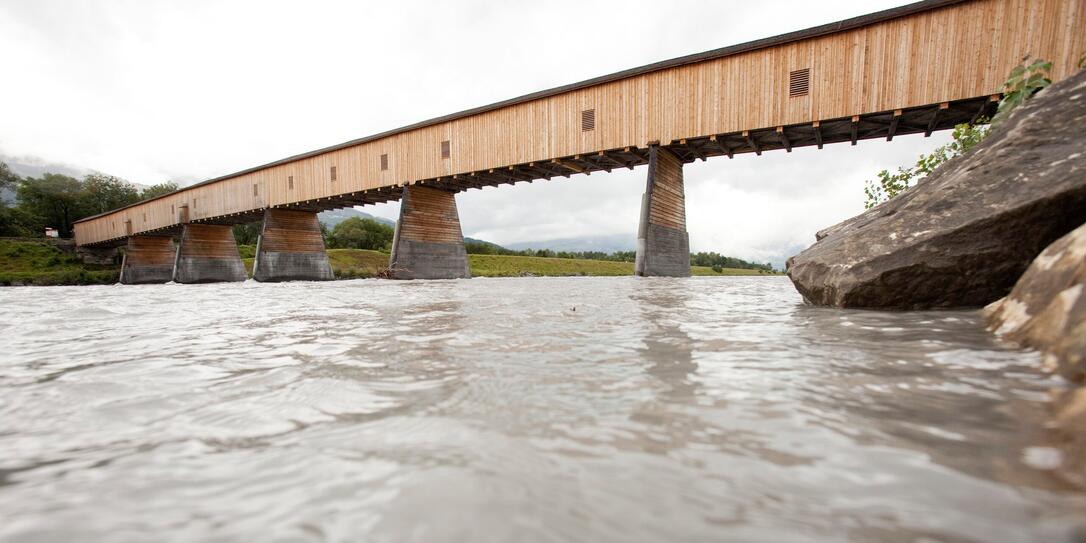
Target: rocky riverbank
column 964, row 235
column 1005, row 219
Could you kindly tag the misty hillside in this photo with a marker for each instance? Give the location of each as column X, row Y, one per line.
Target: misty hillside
column 35, row 167
column 336, row 216
column 607, row 244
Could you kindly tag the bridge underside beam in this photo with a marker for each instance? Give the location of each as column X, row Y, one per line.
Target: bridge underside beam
column 208, row 254
column 148, row 260
column 663, row 246
column 291, row 248
column 428, row 243
column 883, row 125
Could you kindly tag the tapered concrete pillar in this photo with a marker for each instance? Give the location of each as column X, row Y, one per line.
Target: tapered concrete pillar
column 428, row 243
column 291, row 248
column 208, row 254
column 663, row 246
column 148, row 259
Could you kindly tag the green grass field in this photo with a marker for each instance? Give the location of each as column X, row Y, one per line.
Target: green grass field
column 517, row 266
column 359, row 263
column 29, row 262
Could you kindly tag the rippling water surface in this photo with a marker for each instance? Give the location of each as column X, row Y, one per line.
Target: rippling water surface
column 536, row 409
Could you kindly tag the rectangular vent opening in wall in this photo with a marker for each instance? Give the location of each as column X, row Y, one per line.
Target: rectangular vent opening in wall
column 290, row 182
column 384, row 162
column 333, row 173
column 588, row 120
column 446, row 149
column 799, row 82
column 254, row 189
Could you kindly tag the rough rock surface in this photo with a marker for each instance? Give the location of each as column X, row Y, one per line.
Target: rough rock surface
column 1047, row 308
column 965, row 234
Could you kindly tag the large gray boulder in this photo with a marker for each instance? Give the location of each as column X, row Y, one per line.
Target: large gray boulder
column 1047, row 307
column 965, row 234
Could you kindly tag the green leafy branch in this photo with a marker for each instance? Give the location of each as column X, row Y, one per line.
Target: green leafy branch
column 1023, row 81
column 889, row 185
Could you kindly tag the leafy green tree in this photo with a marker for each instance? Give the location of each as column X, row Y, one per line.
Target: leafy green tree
column 8, row 179
column 160, row 189
column 103, row 193
column 1023, row 81
column 52, row 200
column 247, row 234
column 889, row 184
column 15, row 222
column 359, row 233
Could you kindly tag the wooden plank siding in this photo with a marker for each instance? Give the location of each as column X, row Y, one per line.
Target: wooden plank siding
column 667, row 200
column 952, row 51
column 430, row 216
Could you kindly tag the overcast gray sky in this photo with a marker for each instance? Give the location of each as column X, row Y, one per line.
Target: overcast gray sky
column 153, row 91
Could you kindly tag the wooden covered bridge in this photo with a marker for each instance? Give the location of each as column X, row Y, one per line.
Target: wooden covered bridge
column 917, row 68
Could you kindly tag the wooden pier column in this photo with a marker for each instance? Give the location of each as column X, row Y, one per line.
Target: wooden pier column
column 663, row 246
column 428, row 243
column 208, row 254
column 147, row 259
column 291, row 248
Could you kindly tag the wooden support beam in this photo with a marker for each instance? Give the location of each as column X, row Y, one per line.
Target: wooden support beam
column 753, row 144
column 555, row 169
column 784, row 139
column 983, row 108
column 586, row 165
column 720, row 145
column 893, row 125
column 855, row 127
column 693, row 149
column 569, row 166
column 935, row 118
column 611, row 159
column 594, row 162
column 818, row 132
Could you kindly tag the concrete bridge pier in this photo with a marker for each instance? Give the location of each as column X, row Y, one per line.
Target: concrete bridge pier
column 290, row 248
column 663, row 246
column 208, row 253
column 147, row 260
column 428, row 243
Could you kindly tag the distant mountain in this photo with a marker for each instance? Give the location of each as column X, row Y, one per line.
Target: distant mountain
column 482, row 241
column 336, row 216
column 606, row 244
column 33, row 167
column 30, row 166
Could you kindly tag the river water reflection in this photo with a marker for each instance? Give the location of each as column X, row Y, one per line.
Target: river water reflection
column 535, row 409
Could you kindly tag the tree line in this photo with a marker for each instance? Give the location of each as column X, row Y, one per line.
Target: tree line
column 56, row 201
column 708, row 259
column 352, row 233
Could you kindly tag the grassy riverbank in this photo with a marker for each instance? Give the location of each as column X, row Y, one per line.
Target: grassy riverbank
column 358, row 263
column 32, row 262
